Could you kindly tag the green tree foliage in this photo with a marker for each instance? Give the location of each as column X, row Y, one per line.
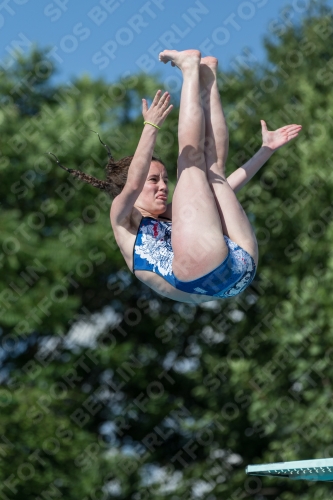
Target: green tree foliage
column 109, row 391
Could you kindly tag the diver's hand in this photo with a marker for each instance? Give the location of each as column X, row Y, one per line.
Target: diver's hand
column 159, row 109
column 278, row 138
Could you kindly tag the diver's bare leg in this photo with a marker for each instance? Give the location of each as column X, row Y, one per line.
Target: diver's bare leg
column 234, row 221
column 197, row 236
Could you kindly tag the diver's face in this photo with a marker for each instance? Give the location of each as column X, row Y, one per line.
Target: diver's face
column 154, row 195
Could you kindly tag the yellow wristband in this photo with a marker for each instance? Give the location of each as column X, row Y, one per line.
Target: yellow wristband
column 153, row 124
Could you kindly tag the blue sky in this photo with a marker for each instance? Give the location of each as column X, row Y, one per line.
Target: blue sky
column 114, row 38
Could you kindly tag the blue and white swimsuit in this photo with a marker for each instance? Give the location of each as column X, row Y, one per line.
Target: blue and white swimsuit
column 153, row 252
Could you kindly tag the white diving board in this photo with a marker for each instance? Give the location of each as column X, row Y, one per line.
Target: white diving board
column 310, row 470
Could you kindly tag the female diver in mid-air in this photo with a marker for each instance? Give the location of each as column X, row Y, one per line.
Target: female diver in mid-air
column 201, row 246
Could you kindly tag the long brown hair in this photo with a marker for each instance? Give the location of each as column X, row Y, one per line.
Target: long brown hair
column 116, row 173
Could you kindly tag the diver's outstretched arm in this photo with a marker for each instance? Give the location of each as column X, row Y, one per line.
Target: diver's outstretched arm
column 271, row 141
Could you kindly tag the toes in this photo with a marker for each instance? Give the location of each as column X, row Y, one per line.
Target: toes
column 163, row 58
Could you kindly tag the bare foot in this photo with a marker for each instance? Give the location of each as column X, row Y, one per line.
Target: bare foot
column 208, row 69
column 182, row 60
column 209, row 61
